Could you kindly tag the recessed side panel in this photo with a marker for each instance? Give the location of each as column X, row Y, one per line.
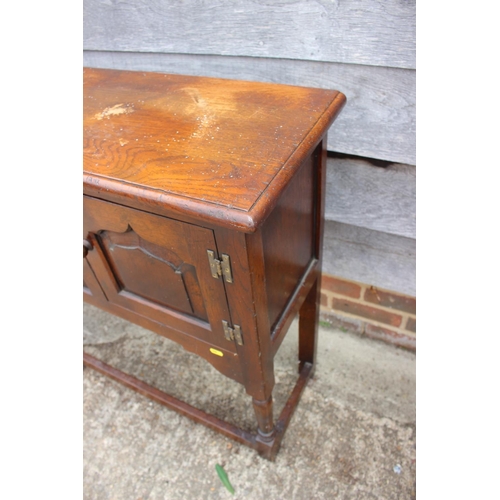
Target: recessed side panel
column 288, row 236
column 171, row 281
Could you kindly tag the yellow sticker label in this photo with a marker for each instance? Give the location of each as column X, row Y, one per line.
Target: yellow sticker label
column 216, row 352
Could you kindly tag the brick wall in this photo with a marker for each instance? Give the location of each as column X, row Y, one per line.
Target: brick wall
column 370, row 311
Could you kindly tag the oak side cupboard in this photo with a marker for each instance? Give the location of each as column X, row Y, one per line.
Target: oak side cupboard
column 203, row 219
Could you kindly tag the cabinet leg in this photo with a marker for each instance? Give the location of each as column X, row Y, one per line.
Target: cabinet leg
column 264, row 413
column 308, row 326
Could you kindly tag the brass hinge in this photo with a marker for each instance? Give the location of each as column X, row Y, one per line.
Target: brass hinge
column 220, row 268
column 232, row 333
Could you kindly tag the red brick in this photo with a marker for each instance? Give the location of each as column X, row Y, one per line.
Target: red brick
column 391, row 299
column 411, row 324
column 341, row 287
column 390, row 336
column 366, row 311
column 324, row 299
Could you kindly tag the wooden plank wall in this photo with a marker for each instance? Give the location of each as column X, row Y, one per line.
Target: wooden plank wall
column 365, row 48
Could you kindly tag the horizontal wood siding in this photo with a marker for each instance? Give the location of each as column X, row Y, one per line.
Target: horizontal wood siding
column 364, row 48
column 380, row 259
column 378, row 198
column 378, row 120
column 372, row 32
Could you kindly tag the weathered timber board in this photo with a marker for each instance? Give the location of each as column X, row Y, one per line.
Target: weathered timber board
column 380, row 259
column 374, row 32
column 360, row 194
column 379, row 120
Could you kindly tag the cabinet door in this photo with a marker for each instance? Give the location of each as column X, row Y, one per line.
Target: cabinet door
column 158, row 268
column 91, row 286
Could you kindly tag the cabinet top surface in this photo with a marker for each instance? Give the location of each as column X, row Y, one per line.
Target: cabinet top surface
column 203, row 140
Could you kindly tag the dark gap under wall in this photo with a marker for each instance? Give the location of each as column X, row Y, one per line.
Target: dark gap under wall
column 373, row 161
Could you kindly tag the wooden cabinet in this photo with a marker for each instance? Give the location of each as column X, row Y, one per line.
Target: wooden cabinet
column 203, row 209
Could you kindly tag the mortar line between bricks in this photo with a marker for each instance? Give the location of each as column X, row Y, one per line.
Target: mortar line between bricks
column 369, row 304
column 365, row 286
column 404, row 320
column 364, row 318
column 392, row 312
column 373, row 322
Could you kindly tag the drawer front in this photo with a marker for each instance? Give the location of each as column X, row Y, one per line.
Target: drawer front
column 158, row 268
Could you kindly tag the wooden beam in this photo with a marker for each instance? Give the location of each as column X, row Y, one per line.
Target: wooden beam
column 380, row 259
column 382, row 199
column 375, row 32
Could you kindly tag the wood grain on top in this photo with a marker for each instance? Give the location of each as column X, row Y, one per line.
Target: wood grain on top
column 212, row 141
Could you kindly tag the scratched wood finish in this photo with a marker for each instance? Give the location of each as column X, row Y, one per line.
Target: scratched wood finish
column 378, row 122
column 376, row 32
column 214, row 142
column 149, row 221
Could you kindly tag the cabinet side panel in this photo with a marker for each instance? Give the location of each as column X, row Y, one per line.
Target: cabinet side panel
column 288, row 239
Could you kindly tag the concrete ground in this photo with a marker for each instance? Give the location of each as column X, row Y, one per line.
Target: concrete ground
column 351, row 437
